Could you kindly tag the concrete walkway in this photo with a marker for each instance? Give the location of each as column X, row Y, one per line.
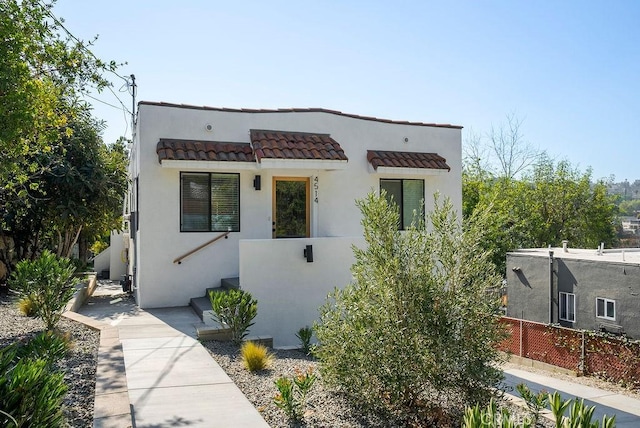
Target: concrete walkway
column 626, row 409
column 171, row 379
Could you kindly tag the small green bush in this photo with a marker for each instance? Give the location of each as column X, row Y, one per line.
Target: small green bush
column 292, row 393
column 304, row 335
column 535, row 402
column 48, row 346
column 31, row 391
column 236, row 309
column 48, row 281
column 580, row 416
column 255, row 357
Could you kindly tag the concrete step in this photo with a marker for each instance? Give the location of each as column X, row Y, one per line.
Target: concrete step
column 200, row 305
column 230, row 283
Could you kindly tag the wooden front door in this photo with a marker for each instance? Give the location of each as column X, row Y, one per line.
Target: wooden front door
column 291, row 207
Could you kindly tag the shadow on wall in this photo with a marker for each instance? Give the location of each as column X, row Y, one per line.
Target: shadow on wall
column 566, row 281
column 522, row 278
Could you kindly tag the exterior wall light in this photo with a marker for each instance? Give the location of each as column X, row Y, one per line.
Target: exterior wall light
column 308, row 253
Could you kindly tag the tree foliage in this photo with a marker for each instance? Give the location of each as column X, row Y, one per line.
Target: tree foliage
column 58, row 181
column 414, row 335
column 554, row 202
column 549, row 201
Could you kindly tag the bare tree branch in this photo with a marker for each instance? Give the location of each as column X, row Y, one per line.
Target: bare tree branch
column 513, row 153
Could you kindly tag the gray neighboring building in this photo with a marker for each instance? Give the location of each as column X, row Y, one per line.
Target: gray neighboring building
column 576, row 288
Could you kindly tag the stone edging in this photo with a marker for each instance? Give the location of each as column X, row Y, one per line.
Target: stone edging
column 112, row 406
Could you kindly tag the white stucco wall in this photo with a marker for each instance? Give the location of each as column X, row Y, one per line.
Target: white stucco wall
column 117, row 265
column 288, row 299
column 102, row 260
column 159, row 240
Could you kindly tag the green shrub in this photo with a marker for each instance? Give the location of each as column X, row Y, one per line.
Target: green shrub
column 491, row 417
column 292, row 393
column 48, row 346
column 31, row 392
column 255, row 357
column 48, row 281
column 235, row 309
column 580, row 416
column 417, row 323
column 304, row 335
column 535, row 402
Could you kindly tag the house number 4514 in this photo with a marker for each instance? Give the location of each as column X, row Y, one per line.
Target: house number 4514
column 315, row 189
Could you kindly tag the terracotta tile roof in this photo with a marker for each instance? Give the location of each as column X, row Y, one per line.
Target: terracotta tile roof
column 406, row 160
column 295, row 145
column 298, row 110
column 170, row 149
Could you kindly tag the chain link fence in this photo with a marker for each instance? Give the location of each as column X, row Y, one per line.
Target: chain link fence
column 616, row 359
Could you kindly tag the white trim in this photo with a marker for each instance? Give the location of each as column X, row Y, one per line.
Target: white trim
column 406, row 171
column 567, row 308
column 208, row 165
column 605, row 317
column 316, row 164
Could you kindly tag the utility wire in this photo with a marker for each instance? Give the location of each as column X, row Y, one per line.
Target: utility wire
column 103, row 102
column 80, row 42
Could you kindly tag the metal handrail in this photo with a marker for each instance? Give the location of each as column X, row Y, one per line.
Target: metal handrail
column 200, row 247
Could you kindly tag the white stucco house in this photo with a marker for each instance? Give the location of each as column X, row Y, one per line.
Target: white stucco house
column 278, row 188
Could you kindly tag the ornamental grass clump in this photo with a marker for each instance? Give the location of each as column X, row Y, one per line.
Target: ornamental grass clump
column 255, row 357
column 415, row 335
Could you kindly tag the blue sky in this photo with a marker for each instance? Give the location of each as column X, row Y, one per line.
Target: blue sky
column 569, row 69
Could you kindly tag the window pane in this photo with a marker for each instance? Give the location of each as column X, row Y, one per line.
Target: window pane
column 611, row 309
column 571, row 307
column 563, row 306
column 412, row 196
column 195, row 202
column 225, row 202
column 394, row 192
column 600, row 307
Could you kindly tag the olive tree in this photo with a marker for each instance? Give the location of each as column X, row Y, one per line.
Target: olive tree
column 414, row 335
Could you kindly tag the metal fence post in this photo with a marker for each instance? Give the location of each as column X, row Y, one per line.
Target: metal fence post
column 582, row 355
column 521, row 337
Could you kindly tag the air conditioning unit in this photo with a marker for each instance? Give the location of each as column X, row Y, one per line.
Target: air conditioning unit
column 610, row 328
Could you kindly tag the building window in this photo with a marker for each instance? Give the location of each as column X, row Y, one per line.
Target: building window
column 408, row 196
column 606, row 308
column 209, row 202
column 567, row 306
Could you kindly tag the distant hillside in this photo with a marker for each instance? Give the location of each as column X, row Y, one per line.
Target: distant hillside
column 625, row 189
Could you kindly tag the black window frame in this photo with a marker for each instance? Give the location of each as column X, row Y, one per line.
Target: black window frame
column 400, row 203
column 209, row 216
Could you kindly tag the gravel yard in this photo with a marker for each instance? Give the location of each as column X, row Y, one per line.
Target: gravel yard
column 325, row 408
column 79, row 366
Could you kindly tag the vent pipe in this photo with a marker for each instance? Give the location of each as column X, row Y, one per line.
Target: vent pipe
column 565, row 246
